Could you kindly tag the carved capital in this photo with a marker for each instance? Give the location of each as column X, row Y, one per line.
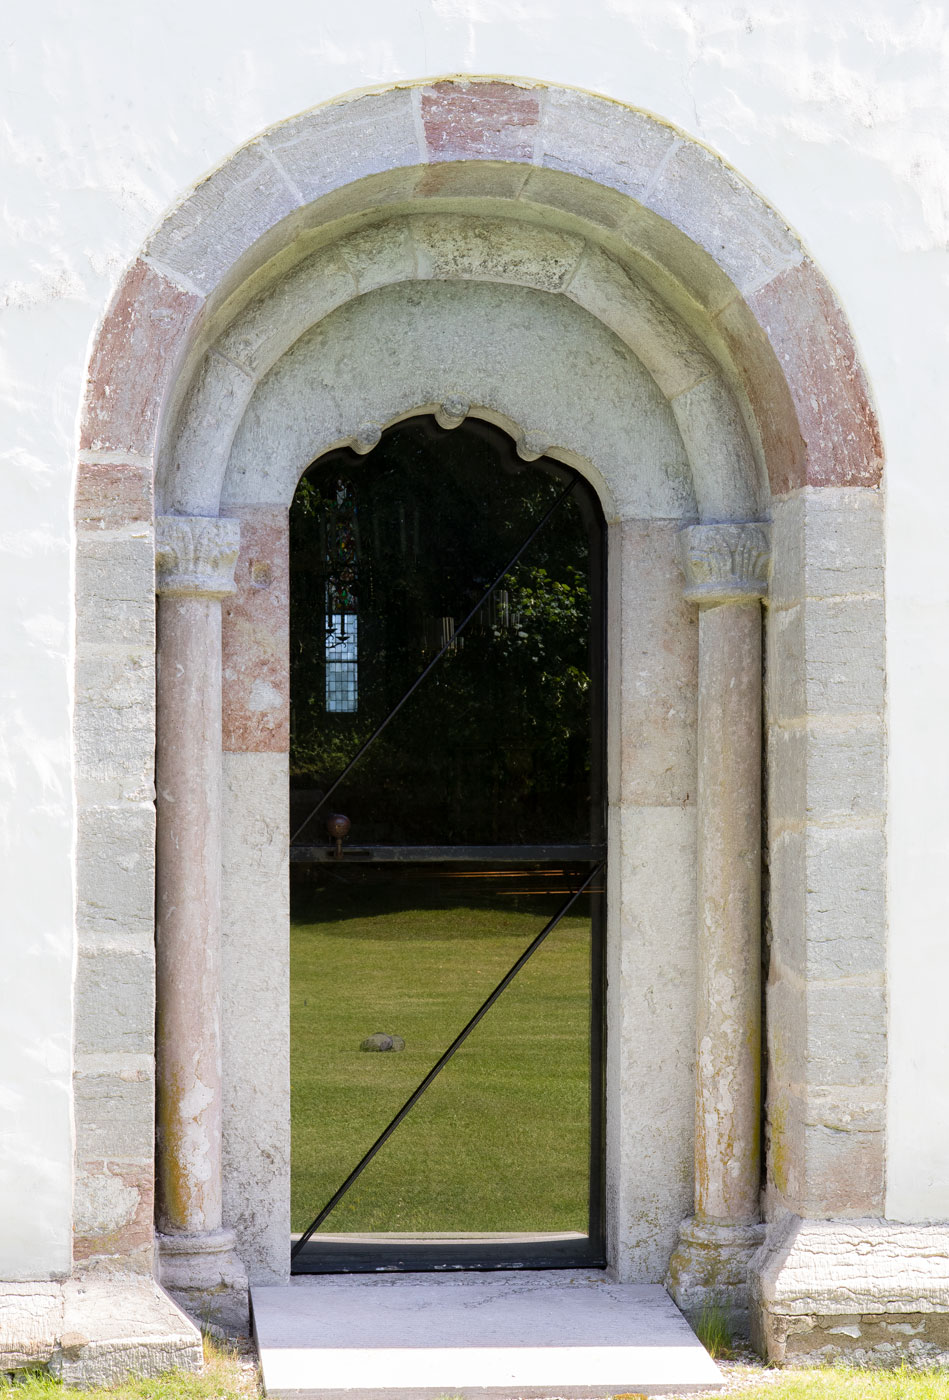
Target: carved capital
column 195, row 555
column 725, row 563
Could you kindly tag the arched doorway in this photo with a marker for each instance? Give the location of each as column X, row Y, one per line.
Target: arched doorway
column 615, row 297
column 447, row 695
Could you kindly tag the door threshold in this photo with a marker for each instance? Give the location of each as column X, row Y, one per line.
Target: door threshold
column 569, row 1333
column 409, row 1253
column 446, row 1236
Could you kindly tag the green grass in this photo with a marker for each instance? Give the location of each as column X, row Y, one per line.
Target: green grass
column 713, row 1330
column 501, row 1140
column 846, row 1383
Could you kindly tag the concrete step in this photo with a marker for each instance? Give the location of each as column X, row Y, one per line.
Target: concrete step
column 507, row 1335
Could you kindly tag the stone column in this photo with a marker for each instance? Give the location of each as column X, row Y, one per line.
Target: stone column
column 195, row 558
column 726, row 572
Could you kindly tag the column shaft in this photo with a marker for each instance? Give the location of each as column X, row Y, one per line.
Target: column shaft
column 188, row 781
column 728, row 1030
column 195, row 559
column 726, row 572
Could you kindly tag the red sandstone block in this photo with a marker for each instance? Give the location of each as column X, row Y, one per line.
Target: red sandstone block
column 762, row 378
column 112, row 494
column 810, row 337
column 481, row 121
column 132, row 1232
column 256, row 637
column 133, row 360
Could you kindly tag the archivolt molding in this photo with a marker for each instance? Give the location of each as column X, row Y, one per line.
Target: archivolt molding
column 454, row 248
column 630, row 184
column 536, row 365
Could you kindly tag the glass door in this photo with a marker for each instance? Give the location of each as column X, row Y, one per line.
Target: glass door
column 447, row 858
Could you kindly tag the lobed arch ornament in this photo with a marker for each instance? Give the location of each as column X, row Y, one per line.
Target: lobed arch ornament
column 611, row 294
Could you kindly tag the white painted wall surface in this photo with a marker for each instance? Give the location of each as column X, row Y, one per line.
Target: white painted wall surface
column 836, row 110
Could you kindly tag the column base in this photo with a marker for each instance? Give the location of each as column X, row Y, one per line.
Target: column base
column 870, row 1292
column 709, row 1271
column 205, row 1277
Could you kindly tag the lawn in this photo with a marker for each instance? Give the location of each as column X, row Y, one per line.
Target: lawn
column 834, row 1383
column 501, row 1140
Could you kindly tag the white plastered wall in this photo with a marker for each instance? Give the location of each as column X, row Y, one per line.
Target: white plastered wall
column 837, row 114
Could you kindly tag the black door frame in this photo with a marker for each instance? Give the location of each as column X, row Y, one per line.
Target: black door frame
column 313, row 1254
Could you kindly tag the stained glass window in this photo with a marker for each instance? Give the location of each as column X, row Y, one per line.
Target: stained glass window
column 342, row 565
column 342, row 668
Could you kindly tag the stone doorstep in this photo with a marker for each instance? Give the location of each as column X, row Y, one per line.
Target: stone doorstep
column 508, row 1334
column 96, row 1331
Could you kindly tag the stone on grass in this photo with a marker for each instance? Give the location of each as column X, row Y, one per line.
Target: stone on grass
column 380, row 1041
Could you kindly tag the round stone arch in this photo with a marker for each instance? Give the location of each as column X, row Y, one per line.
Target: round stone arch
column 462, row 188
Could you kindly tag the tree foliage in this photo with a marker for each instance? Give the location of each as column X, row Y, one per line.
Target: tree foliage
column 495, row 746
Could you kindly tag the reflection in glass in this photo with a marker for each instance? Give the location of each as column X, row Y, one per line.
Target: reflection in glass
column 342, row 670
column 496, row 746
column 500, row 1142
column 498, row 753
